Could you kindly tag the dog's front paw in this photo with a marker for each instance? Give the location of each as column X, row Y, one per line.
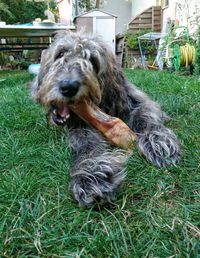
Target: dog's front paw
column 96, row 180
column 95, row 188
column 160, row 147
column 87, row 190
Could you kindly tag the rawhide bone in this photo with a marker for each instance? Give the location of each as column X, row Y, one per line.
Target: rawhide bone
column 113, row 128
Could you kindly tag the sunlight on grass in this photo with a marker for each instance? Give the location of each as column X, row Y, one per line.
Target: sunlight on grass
column 157, row 211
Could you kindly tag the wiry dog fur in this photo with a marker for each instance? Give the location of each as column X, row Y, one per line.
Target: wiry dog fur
column 75, row 67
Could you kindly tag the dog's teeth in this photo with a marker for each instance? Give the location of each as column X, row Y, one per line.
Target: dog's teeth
column 60, row 121
column 54, row 111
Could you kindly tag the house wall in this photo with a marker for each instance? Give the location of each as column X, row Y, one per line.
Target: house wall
column 85, row 24
column 98, row 23
column 169, row 11
column 139, row 6
column 185, row 12
column 65, row 11
column 121, row 9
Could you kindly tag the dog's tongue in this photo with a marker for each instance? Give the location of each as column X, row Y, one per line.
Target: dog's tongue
column 63, row 111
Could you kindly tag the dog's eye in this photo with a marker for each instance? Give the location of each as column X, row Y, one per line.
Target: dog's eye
column 60, row 54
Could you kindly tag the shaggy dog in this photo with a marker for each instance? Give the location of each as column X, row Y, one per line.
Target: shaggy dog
column 75, row 67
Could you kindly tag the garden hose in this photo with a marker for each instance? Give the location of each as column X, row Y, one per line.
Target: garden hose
column 187, row 54
column 183, row 55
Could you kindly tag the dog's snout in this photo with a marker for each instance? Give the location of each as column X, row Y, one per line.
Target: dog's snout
column 69, row 87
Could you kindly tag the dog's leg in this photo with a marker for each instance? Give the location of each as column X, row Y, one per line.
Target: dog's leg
column 155, row 141
column 160, row 146
column 97, row 171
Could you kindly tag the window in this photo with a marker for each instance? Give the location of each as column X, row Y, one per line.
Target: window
column 165, row 3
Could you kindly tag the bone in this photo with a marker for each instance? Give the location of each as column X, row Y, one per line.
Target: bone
column 114, row 129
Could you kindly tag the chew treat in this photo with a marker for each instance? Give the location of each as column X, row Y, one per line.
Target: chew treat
column 113, row 128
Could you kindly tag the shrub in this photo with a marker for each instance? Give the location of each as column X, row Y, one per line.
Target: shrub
column 3, row 58
column 132, row 41
column 23, row 11
column 197, row 55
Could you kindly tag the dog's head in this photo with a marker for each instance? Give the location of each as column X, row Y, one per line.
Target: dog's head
column 71, row 69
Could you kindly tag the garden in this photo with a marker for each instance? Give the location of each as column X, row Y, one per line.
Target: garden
column 157, row 210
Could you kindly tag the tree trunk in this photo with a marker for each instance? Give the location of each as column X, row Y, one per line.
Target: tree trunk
column 97, row 4
column 88, row 5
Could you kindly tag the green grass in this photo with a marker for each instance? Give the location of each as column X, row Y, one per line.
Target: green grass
column 157, row 213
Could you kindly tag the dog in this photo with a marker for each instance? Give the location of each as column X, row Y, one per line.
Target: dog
column 75, row 67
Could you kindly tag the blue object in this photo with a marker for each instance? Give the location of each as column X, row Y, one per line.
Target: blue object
column 148, row 37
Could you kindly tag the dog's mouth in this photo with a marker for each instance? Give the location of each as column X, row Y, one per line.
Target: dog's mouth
column 60, row 113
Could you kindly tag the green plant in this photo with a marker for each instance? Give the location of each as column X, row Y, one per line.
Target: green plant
column 22, row 11
column 129, row 62
column 156, row 213
column 4, row 9
column 132, row 43
column 89, row 4
column 131, row 40
column 197, row 55
column 3, row 58
column 23, row 64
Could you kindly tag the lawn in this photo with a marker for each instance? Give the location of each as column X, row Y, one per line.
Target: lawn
column 157, row 213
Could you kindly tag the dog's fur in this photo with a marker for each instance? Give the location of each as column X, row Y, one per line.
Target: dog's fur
column 88, row 67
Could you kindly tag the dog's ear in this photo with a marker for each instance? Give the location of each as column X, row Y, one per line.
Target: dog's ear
column 34, row 89
column 60, row 34
column 45, row 62
column 43, row 55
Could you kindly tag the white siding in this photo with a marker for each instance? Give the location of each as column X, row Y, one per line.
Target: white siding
column 106, row 29
column 98, row 23
column 139, row 6
column 186, row 12
column 95, row 13
column 120, row 8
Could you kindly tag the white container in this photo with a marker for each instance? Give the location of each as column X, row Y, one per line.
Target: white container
column 34, row 69
column 2, row 24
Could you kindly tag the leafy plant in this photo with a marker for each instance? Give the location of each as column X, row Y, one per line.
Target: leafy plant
column 197, row 55
column 132, row 41
column 22, row 64
column 87, row 5
column 3, row 58
column 4, row 9
column 21, row 11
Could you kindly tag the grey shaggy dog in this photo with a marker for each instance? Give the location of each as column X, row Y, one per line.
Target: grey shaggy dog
column 74, row 67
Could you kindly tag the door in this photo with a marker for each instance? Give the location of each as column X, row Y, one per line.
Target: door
column 105, row 27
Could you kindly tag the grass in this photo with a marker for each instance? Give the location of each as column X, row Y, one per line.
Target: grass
column 157, row 213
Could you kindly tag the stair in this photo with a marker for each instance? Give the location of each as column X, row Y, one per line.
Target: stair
column 150, row 19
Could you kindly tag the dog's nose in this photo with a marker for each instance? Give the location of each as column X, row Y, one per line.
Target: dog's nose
column 69, row 87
